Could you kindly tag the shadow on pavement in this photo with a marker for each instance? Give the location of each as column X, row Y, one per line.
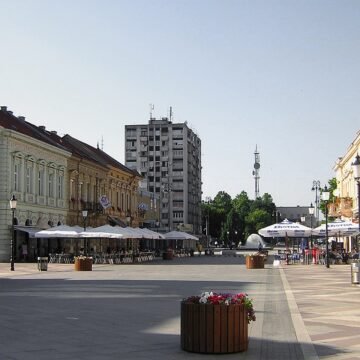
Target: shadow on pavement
column 111, row 319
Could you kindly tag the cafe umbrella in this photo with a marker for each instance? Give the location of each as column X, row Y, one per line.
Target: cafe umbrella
column 286, row 229
column 61, row 231
column 337, row 228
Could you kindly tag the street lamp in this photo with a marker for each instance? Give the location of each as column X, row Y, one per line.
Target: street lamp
column 325, row 197
column 302, row 221
column 207, row 219
column 316, row 187
column 356, row 167
column 13, row 203
column 311, row 213
column 84, row 215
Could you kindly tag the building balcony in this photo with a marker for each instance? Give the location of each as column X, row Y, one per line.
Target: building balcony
column 341, row 207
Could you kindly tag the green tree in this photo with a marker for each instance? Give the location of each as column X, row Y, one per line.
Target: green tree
column 256, row 220
column 234, row 220
column 331, row 186
column 241, row 205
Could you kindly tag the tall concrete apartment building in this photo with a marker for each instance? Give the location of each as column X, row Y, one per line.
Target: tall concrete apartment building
column 168, row 156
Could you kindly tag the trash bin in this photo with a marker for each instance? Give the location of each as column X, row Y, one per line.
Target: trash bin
column 355, row 267
column 42, row 263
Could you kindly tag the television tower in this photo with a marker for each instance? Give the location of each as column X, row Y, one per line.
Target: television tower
column 256, row 172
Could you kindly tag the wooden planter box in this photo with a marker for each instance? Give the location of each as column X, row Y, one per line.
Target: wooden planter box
column 255, row 262
column 83, row 264
column 209, row 328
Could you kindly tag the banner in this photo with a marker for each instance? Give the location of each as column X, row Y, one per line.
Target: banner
column 104, row 201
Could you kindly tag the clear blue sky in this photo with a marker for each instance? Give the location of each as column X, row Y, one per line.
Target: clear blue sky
column 282, row 75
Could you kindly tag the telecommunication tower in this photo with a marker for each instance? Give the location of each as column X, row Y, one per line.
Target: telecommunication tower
column 256, row 172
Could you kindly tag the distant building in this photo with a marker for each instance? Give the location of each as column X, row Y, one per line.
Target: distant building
column 296, row 214
column 168, row 156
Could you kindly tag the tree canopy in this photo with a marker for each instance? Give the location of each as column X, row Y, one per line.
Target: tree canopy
column 233, row 220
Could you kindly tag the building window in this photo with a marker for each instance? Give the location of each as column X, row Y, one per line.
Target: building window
column 128, row 202
column 60, row 187
column 16, row 177
column 88, row 192
column 177, row 214
column 51, row 185
column 29, row 180
column 40, row 182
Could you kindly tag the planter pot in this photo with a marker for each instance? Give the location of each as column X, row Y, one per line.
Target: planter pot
column 83, row 264
column 207, row 328
column 255, row 262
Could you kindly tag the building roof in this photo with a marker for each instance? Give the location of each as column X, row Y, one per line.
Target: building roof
column 9, row 121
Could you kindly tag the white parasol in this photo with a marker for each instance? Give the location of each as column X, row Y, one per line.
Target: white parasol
column 149, row 234
column 284, row 229
column 179, row 235
column 337, row 228
column 106, row 231
column 61, row 231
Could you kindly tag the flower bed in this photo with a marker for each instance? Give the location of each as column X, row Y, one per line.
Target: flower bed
column 216, row 323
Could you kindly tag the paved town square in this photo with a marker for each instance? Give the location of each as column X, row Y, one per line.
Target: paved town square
column 133, row 311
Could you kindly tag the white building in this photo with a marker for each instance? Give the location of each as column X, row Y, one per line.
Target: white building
column 346, row 204
column 34, row 170
column 168, row 156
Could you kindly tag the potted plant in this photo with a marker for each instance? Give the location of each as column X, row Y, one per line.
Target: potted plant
column 82, row 263
column 216, row 322
column 255, row 261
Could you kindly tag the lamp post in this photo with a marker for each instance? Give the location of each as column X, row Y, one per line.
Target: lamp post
column 302, row 221
column 356, row 167
column 13, row 203
column 84, row 215
column 325, row 198
column 316, row 187
column 207, row 219
column 311, row 213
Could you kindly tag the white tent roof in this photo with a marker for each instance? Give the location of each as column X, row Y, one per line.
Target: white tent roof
column 149, row 234
column 61, row 231
column 179, row 235
column 108, row 231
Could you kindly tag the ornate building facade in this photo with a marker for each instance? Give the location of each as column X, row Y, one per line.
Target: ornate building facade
column 54, row 179
column 346, row 198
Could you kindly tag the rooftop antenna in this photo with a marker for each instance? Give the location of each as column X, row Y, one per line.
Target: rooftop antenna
column 256, row 172
column 171, row 114
column 151, row 110
column 102, row 143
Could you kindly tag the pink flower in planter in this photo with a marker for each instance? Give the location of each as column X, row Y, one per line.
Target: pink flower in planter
column 224, row 299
